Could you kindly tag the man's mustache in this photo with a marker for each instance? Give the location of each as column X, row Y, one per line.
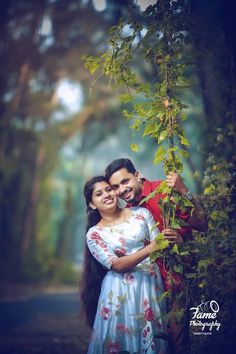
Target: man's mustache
column 126, row 191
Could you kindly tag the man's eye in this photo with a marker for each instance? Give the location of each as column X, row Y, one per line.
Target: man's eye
column 114, row 188
column 126, row 181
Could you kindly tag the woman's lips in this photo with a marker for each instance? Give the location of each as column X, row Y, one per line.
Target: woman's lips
column 109, row 201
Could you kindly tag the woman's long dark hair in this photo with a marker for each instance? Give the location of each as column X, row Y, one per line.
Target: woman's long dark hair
column 93, row 271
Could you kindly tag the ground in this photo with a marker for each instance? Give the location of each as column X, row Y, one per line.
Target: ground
column 43, row 320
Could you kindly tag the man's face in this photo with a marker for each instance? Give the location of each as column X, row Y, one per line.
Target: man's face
column 127, row 186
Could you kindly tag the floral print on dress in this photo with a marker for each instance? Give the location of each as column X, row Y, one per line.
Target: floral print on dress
column 105, row 313
column 129, row 316
column 139, row 216
column 129, row 278
column 113, row 347
column 120, row 251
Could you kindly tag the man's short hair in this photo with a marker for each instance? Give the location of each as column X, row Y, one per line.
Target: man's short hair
column 117, row 165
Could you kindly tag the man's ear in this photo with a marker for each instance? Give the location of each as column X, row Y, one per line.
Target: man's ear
column 92, row 206
column 137, row 176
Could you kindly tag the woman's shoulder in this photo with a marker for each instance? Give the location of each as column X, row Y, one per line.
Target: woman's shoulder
column 94, row 231
column 137, row 210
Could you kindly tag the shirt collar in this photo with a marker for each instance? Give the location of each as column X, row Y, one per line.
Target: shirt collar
column 147, row 187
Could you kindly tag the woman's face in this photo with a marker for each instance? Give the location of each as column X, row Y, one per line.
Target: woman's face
column 103, row 197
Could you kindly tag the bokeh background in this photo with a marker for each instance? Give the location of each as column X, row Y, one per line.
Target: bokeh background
column 59, row 126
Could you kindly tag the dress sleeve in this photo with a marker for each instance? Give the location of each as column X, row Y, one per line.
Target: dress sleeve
column 151, row 224
column 100, row 249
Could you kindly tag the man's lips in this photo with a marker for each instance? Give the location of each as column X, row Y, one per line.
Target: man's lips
column 126, row 194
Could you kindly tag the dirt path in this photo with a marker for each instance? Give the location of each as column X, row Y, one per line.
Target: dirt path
column 43, row 323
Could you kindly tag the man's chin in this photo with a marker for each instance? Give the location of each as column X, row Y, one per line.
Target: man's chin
column 129, row 200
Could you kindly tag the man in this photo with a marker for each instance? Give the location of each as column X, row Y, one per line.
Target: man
column 129, row 186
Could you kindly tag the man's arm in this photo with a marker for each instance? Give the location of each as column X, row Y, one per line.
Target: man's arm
column 197, row 220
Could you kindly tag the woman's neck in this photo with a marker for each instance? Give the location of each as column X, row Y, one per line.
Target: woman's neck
column 112, row 218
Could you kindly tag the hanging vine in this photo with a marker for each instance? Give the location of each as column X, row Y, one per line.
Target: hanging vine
column 159, row 36
column 156, row 110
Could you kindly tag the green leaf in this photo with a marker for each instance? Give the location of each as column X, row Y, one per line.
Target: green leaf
column 154, row 256
column 175, row 248
column 159, row 155
column 161, row 242
column 127, row 114
column 219, row 215
column 178, row 268
column 175, row 225
column 136, row 125
column 184, row 140
column 184, row 253
column 203, row 263
column 149, row 129
column 139, row 109
column 134, row 147
column 125, row 98
column 162, row 136
column 183, row 116
column 163, row 188
column 149, row 196
column 91, row 63
column 184, row 153
column 163, row 295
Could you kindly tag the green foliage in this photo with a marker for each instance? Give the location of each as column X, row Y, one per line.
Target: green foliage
column 156, row 108
column 156, row 111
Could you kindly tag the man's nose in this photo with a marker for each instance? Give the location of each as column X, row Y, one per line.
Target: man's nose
column 121, row 190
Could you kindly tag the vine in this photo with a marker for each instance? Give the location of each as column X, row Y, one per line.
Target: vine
column 159, row 36
column 156, row 109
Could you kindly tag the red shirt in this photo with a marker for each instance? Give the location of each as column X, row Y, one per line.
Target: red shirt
column 153, row 206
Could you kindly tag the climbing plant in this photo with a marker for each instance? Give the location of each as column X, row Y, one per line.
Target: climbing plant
column 155, row 109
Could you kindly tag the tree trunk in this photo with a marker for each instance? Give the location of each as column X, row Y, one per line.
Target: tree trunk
column 32, row 205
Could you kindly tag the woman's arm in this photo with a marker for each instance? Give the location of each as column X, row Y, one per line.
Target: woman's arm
column 124, row 263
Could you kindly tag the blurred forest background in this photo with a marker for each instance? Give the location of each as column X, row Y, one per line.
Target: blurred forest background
column 55, row 131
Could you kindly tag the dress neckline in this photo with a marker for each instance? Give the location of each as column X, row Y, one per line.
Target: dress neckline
column 121, row 223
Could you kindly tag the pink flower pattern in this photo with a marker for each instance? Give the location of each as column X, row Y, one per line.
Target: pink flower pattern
column 128, row 278
column 120, row 318
column 105, row 313
column 139, row 217
column 113, row 347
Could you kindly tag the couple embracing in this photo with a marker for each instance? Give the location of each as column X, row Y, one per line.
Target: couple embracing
column 121, row 288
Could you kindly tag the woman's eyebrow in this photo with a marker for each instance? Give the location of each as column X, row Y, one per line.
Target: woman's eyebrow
column 98, row 190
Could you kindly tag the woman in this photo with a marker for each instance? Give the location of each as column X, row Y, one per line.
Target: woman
column 129, row 316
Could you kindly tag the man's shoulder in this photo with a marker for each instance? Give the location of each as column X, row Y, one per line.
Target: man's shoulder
column 150, row 186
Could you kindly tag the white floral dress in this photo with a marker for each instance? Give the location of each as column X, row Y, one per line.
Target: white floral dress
column 130, row 314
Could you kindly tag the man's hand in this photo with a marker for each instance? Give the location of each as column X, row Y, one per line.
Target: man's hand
column 174, row 181
column 172, row 236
